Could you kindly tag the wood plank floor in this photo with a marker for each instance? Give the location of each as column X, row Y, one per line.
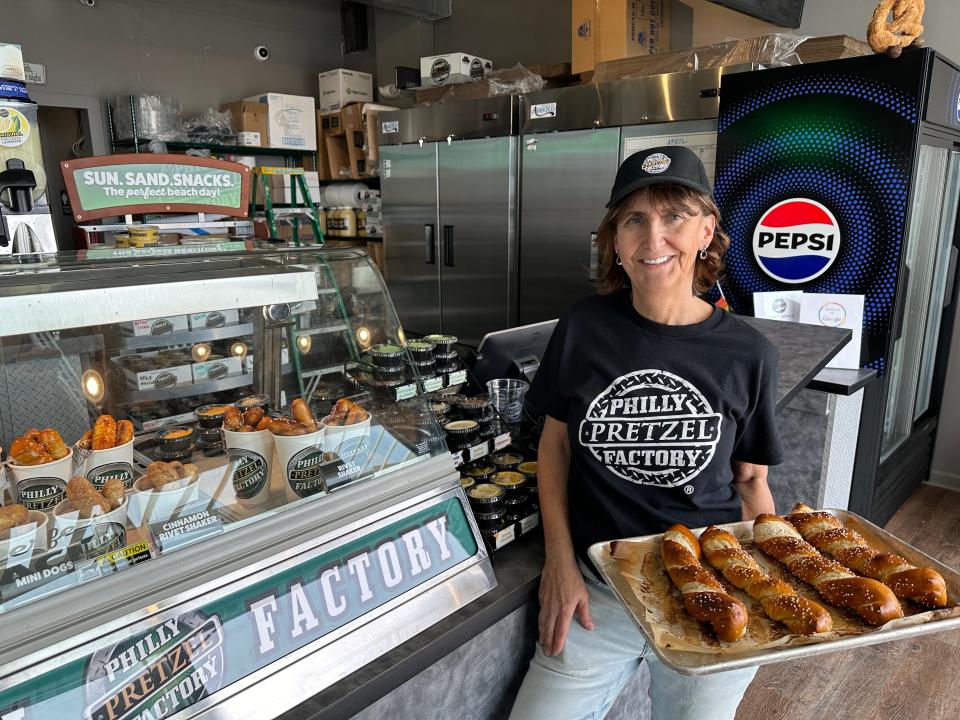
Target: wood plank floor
column 904, row 680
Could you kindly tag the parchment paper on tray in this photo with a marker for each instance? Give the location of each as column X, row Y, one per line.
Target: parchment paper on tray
column 635, row 568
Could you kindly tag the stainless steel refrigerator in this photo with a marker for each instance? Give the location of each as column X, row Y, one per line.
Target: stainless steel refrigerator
column 573, row 141
column 450, row 202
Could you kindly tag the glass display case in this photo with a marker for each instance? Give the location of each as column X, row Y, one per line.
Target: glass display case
column 212, row 486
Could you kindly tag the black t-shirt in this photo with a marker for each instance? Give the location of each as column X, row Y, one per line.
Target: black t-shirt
column 655, row 414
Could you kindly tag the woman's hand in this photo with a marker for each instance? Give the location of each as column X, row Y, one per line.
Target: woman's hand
column 563, row 594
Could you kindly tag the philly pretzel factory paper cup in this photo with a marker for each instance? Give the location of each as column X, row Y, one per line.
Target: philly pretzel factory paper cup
column 149, row 505
column 101, row 465
column 249, row 462
column 103, row 532
column 25, row 540
column 301, row 460
column 42, row 487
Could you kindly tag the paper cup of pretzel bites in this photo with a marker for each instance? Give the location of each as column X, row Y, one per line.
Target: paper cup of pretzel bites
column 346, row 441
column 103, row 531
column 116, row 462
column 41, row 487
column 249, row 462
column 150, row 505
column 21, row 542
column 301, row 461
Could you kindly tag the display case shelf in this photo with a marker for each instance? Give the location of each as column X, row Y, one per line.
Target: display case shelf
column 184, row 337
column 182, row 391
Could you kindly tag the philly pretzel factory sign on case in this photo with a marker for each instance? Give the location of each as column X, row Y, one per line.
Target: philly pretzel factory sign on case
column 188, row 656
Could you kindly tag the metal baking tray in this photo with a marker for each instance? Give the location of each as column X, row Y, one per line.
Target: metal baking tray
column 694, row 663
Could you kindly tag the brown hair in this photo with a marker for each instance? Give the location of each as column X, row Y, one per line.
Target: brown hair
column 611, row 277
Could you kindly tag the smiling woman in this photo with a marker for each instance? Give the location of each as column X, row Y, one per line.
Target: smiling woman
column 659, row 411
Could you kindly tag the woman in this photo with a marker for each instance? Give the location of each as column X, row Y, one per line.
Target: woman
column 660, row 409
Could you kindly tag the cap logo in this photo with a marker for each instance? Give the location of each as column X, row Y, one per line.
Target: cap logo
column 656, row 163
column 796, row 240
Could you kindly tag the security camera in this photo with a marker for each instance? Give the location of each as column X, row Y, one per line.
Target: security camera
column 261, row 53
column 88, row 3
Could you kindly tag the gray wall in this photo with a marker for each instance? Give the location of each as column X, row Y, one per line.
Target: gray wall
column 504, row 31
column 200, row 51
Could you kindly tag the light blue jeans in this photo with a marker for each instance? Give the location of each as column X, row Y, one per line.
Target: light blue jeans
column 582, row 682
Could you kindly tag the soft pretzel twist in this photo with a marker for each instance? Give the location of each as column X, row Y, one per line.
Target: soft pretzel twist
column 905, row 28
column 826, row 533
column 780, row 601
column 871, row 600
column 704, row 598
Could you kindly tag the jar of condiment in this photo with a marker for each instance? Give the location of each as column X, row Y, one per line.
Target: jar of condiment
column 481, row 471
column 461, row 434
column 473, row 408
column 514, row 484
column 485, row 498
column 386, row 355
column 421, row 350
column 506, row 460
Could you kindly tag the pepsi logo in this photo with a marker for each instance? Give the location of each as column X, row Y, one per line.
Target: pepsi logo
column 796, row 240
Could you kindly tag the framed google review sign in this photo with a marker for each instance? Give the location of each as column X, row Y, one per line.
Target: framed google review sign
column 109, row 185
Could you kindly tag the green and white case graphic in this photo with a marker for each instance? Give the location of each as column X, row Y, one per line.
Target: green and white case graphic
column 189, row 655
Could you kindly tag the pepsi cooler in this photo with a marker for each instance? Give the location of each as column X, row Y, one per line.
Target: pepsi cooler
column 843, row 177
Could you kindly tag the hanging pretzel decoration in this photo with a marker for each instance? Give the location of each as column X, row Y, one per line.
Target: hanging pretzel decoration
column 904, row 30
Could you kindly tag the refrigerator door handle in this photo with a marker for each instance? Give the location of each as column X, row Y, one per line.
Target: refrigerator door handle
column 448, row 245
column 898, row 331
column 951, row 276
column 594, row 270
column 430, row 241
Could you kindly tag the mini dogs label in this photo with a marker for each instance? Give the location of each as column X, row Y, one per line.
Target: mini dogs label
column 120, row 470
column 249, row 472
column 305, row 472
column 41, row 493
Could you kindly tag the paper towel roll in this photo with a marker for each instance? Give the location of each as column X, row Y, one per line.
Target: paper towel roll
column 345, row 195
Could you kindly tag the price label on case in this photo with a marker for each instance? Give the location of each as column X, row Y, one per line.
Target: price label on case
column 501, row 441
column 504, row 536
column 457, row 378
column 405, row 392
column 432, row 384
column 479, row 451
column 529, row 523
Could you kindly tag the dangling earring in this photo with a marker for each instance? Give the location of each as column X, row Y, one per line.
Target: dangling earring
column 703, row 254
column 619, row 261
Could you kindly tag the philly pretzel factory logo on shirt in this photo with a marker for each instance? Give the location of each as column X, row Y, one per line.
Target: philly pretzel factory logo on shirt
column 651, row 427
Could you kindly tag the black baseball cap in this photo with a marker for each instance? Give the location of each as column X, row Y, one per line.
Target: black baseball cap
column 666, row 164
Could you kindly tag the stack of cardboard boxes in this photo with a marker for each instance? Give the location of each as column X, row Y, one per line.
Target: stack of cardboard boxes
column 612, row 29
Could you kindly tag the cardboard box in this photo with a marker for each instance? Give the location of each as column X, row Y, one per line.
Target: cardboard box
column 155, row 326
column 291, row 121
column 318, row 164
column 280, row 187
column 331, row 124
column 341, row 87
column 246, row 137
column 452, row 68
column 219, row 369
column 338, row 157
column 351, row 117
column 248, row 117
column 215, row 319
column 612, row 29
column 158, row 379
column 370, row 113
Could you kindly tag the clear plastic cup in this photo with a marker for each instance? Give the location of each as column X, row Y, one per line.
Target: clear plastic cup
column 507, row 397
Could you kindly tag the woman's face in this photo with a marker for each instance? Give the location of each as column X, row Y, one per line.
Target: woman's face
column 658, row 246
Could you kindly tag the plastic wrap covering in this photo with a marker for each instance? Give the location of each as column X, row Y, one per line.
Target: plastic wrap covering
column 768, row 50
column 211, row 126
column 509, row 81
column 157, row 117
column 514, row 81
